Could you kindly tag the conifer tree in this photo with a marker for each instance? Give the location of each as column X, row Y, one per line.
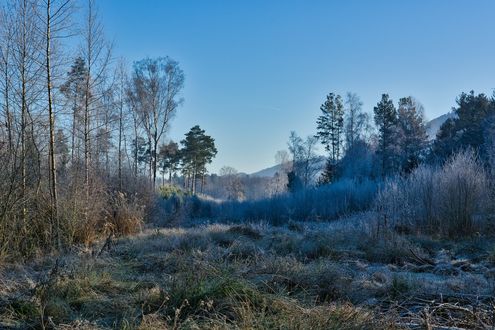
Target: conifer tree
column 467, row 129
column 169, row 158
column 413, row 137
column 198, row 151
column 329, row 130
column 386, row 122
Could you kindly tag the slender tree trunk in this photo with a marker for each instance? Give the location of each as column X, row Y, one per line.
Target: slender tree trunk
column 7, row 100
column 23, row 112
column 51, row 153
column 107, row 141
column 135, row 149
column 120, row 145
column 86, row 138
column 73, row 138
column 150, row 164
column 155, row 146
column 194, row 183
column 87, row 95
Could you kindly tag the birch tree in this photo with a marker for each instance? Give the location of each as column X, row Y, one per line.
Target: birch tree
column 155, row 90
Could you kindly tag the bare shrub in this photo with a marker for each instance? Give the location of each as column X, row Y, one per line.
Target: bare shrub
column 464, row 189
column 449, row 201
column 126, row 215
column 82, row 215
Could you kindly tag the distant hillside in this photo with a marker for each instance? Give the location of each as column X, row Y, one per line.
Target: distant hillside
column 267, row 172
column 433, row 126
column 270, row 171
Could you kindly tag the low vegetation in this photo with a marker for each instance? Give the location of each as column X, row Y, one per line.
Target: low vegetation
column 107, row 224
column 338, row 276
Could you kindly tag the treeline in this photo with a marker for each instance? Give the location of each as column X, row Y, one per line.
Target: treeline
column 396, row 144
column 82, row 136
column 412, row 184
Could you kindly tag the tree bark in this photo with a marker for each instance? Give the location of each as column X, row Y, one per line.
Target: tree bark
column 51, row 153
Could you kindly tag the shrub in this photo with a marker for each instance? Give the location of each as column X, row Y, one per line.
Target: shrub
column 126, row 215
column 170, row 191
column 326, row 202
column 465, row 192
column 451, row 200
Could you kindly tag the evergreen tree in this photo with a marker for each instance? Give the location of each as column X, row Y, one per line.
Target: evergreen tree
column 329, row 130
column 467, row 129
column 198, row 151
column 294, row 183
column 386, row 122
column 74, row 91
column 141, row 150
column 330, row 125
column 61, row 153
column 169, row 158
column 413, row 137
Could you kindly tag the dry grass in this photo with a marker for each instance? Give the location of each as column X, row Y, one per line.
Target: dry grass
column 245, row 277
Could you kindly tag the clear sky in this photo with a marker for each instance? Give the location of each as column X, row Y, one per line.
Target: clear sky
column 256, row 69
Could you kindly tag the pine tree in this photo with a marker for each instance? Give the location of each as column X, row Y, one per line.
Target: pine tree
column 386, row 122
column 61, row 153
column 330, row 125
column 169, row 158
column 329, row 130
column 467, row 129
column 198, row 151
column 73, row 90
column 413, row 136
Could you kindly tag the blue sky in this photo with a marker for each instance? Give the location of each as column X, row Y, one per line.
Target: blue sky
column 255, row 70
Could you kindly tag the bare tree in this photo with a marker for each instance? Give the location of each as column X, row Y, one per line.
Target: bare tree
column 304, row 158
column 121, row 77
column 27, row 61
column 96, row 53
column 356, row 121
column 233, row 183
column 5, row 67
column 278, row 182
column 57, row 15
column 155, row 88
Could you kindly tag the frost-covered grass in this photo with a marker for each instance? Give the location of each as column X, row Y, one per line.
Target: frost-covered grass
column 324, row 203
column 342, row 275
